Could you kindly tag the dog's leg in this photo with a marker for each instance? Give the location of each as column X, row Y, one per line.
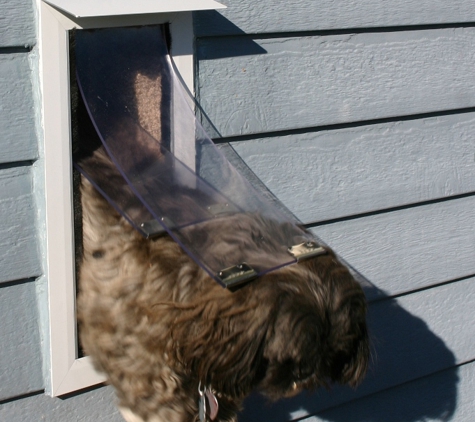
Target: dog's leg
column 165, row 415
column 129, row 416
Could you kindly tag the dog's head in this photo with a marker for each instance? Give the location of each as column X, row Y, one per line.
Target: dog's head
column 319, row 334
column 297, row 328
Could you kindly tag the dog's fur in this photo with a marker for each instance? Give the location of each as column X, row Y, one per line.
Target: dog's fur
column 158, row 325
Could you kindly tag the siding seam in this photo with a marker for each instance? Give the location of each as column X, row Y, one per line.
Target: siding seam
column 16, row 49
column 21, row 397
column 338, row 126
column 388, row 210
column 17, row 282
column 16, row 164
column 421, row 289
column 303, row 418
column 343, row 31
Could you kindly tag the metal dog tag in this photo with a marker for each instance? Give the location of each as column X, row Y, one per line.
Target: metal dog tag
column 213, row 406
column 208, row 405
column 202, row 407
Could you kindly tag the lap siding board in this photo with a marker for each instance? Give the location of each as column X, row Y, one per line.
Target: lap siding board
column 17, row 23
column 20, row 345
column 300, row 82
column 336, row 173
column 97, row 405
column 410, row 249
column 19, row 249
column 436, row 400
column 17, row 115
column 20, row 351
column 265, row 16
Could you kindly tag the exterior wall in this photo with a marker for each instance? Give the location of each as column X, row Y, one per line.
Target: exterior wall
column 22, row 297
column 359, row 116
column 20, row 352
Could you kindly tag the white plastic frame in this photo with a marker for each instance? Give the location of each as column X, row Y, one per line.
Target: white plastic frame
column 67, row 372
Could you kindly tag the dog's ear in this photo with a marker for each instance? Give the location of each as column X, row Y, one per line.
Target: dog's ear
column 347, row 352
column 294, row 345
column 319, row 334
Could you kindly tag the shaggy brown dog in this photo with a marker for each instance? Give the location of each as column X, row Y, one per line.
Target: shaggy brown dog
column 158, row 325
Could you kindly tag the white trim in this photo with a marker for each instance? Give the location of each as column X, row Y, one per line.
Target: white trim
column 183, row 133
column 67, row 372
column 93, row 8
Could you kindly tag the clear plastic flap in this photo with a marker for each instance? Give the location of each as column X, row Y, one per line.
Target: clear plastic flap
column 143, row 117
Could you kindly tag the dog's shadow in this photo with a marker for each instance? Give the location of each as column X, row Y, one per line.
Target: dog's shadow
column 404, row 349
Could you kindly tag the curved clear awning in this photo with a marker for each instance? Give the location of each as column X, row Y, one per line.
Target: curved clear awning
column 138, row 168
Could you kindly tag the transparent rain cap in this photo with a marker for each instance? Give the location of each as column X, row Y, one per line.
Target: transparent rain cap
column 162, row 172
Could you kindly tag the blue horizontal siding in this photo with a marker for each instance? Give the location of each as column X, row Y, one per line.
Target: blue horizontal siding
column 20, row 349
column 425, row 400
column 17, row 110
column 19, row 248
column 17, row 23
column 97, row 405
column 250, row 86
column 331, row 174
column 266, row 16
column 408, row 249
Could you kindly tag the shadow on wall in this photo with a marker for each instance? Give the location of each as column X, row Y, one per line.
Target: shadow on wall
column 210, row 23
column 212, row 47
column 404, row 349
column 209, row 47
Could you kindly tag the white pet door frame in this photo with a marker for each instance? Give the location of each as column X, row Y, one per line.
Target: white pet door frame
column 67, row 372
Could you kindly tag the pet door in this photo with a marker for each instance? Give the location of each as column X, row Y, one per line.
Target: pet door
column 138, row 166
column 65, row 369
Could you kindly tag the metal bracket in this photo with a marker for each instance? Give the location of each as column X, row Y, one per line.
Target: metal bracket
column 223, row 208
column 152, row 228
column 236, row 275
column 306, row 250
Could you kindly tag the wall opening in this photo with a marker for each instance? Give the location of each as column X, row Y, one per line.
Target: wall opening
column 152, row 100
